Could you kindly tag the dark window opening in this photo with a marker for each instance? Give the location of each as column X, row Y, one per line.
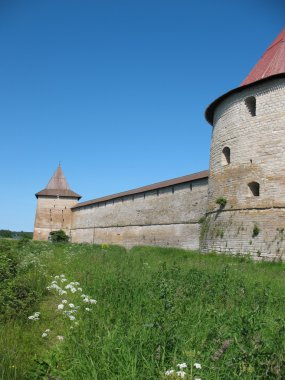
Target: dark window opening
column 190, row 186
column 226, row 156
column 254, row 189
column 250, row 102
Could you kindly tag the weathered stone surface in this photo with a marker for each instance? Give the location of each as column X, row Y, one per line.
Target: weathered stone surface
column 257, row 148
column 166, row 217
column 53, row 213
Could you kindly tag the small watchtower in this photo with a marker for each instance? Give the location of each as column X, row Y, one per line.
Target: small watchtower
column 53, row 207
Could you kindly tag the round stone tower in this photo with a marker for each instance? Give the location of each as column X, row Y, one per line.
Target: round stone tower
column 54, row 207
column 246, row 199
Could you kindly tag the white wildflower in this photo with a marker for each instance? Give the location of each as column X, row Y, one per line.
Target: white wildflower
column 79, row 289
column 71, row 305
column 44, row 335
column 64, row 301
column 182, row 365
column 60, row 337
column 87, row 309
column 86, row 299
column 35, row 316
column 181, row 374
column 56, row 277
column 92, row 301
column 73, row 290
column 60, row 306
column 197, row 365
column 76, row 283
column 169, row 372
column 47, row 330
column 83, row 296
column 71, row 317
column 62, row 276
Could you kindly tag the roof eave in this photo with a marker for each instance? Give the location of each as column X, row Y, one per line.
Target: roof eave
column 155, row 186
column 209, row 113
column 73, row 195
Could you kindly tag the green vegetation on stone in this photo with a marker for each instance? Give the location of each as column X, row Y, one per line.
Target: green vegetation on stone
column 155, row 308
column 221, row 201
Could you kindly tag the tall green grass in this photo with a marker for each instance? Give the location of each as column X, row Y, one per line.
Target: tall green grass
column 155, row 308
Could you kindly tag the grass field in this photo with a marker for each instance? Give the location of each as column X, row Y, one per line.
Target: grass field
column 155, row 308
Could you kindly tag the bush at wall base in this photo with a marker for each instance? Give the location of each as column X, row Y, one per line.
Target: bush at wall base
column 58, row 236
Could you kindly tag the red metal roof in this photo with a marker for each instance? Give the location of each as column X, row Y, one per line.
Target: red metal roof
column 271, row 63
column 155, row 186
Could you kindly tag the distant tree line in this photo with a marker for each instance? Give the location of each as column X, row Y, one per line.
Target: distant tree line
column 7, row 234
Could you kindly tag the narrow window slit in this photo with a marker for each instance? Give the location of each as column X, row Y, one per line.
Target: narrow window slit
column 250, row 102
column 254, row 189
column 226, row 156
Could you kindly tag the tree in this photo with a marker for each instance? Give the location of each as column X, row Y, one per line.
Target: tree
column 6, row 234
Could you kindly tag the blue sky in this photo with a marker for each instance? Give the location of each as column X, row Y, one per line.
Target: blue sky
column 116, row 90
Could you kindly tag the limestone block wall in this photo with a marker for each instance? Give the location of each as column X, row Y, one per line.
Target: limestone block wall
column 165, row 217
column 53, row 213
column 255, row 138
column 257, row 147
column 258, row 233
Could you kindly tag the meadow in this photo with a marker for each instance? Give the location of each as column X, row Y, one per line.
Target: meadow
column 76, row 311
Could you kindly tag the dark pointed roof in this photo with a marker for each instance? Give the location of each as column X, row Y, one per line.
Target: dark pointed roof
column 271, row 65
column 58, row 186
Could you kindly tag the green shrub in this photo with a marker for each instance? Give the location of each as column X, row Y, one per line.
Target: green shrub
column 221, row 201
column 202, row 220
column 59, row 236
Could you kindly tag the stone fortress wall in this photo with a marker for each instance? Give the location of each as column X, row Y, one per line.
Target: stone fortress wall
column 53, row 213
column 166, row 216
column 239, row 209
column 247, row 169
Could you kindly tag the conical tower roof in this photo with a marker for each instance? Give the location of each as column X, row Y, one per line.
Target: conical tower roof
column 271, row 64
column 58, row 186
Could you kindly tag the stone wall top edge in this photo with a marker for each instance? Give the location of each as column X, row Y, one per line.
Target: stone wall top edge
column 195, row 183
column 256, row 89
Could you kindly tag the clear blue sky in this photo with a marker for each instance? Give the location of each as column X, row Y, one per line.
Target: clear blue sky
column 116, row 90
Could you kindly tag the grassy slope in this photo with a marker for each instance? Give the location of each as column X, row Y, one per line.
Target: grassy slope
column 156, row 308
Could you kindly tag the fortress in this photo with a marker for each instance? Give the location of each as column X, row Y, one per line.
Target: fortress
column 236, row 207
